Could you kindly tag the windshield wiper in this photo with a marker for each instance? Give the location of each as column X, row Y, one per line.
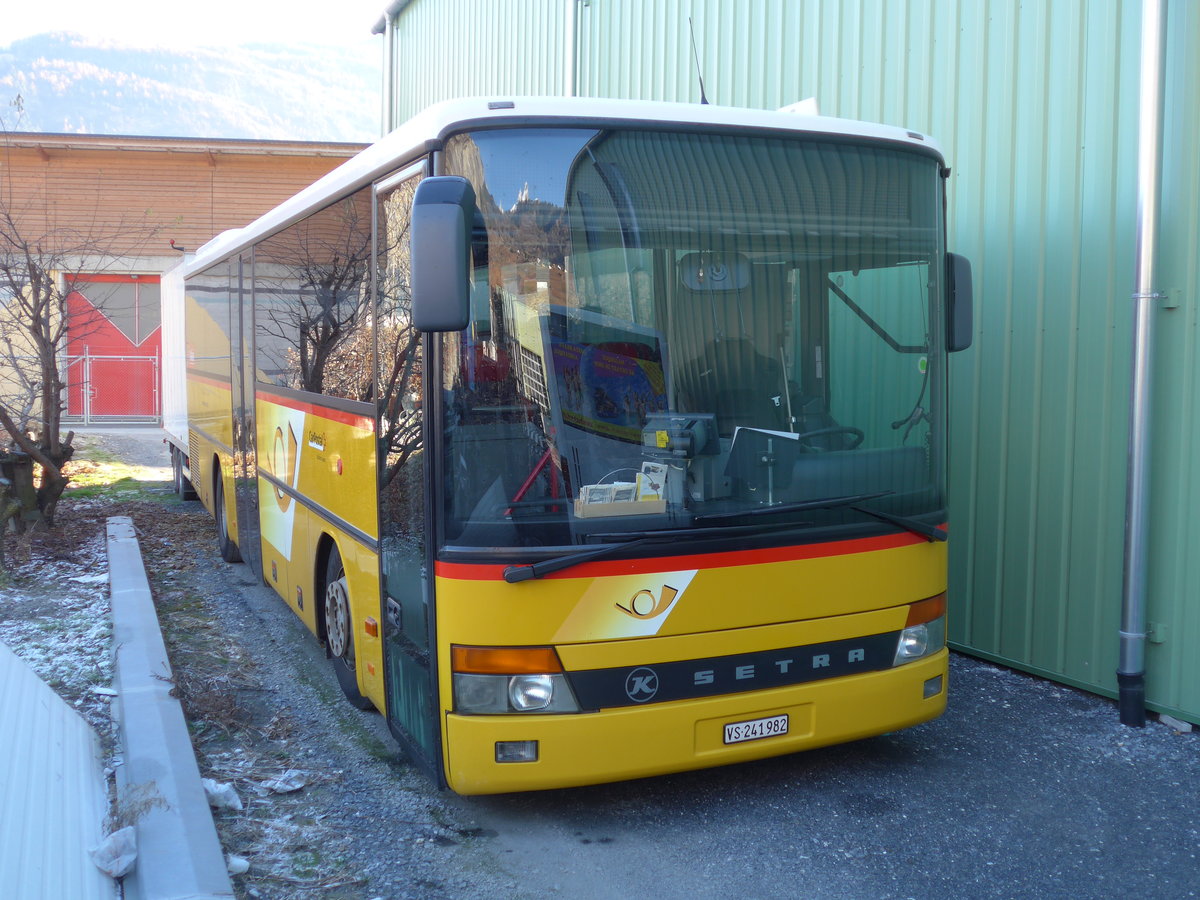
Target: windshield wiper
column 929, row 532
column 624, row 540
column 513, row 574
column 824, row 503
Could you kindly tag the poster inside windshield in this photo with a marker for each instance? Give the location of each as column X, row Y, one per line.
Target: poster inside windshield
column 609, row 388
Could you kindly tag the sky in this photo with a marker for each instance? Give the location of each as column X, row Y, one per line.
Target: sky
column 163, row 23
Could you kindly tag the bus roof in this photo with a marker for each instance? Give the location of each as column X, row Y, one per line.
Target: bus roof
column 429, row 129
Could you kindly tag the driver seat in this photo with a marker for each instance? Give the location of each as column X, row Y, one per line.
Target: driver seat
column 739, row 384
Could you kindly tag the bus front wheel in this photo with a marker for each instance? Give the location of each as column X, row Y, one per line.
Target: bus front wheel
column 339, row 630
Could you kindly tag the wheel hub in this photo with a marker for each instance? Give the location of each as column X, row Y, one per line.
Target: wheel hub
column 337, row 617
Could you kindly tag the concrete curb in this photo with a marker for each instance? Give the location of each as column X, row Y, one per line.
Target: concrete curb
column 179, row 854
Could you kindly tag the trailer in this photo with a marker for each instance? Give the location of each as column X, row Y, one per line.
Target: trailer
column 174, row 379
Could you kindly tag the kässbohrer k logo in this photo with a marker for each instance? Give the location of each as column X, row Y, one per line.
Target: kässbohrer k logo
column 641, row 684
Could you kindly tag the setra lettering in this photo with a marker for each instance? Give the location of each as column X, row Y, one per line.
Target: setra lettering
column 783, row 666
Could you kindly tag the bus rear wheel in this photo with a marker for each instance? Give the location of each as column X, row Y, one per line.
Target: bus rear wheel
column 339, row 630
column 183, row 486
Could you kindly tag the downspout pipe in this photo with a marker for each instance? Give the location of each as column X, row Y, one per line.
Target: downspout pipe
column 389, row 74
column 1131, row 671
column 386, row 26
column 571, row 49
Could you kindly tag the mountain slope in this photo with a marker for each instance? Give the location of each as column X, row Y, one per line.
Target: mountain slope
column 68, row 83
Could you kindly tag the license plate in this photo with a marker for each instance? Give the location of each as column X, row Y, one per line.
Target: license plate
column 771, row 726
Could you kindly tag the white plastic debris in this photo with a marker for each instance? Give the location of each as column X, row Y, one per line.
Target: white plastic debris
column 221, row 796
column 90, row 579
column 289, row 781
column 116, row 854
column 237, row 865
column 1178, row 724
column 103, row 691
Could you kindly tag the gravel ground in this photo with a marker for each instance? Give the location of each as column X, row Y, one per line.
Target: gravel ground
column 267, row 716
column 136, row 445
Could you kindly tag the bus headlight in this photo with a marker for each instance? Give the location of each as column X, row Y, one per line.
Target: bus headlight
column 480, row 693
column 499, row 680
column 528, row 693
column 925, row 631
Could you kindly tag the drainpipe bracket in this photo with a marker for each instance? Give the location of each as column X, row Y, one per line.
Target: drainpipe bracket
column 1171, row 299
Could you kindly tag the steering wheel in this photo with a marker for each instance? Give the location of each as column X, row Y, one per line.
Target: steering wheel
column 856, row 434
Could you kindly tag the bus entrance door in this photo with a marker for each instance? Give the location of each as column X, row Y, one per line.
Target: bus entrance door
column 410, row 682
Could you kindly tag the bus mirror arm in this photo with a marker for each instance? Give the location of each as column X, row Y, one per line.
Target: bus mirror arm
column 443, row 214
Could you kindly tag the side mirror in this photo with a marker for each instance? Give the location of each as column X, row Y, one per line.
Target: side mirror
column 960, row 319
column 442, row 215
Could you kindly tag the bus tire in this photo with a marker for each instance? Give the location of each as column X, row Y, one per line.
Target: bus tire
column 339, row 631
column 183, row 486
column 229, row 550
column 177, row 473
column 186, row 490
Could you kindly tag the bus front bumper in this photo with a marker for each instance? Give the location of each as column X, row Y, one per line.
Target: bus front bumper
column 635, row 742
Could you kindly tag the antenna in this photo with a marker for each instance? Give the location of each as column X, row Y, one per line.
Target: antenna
column 696, row 59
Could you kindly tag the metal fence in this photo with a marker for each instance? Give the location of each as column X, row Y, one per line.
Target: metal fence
column 112, row 389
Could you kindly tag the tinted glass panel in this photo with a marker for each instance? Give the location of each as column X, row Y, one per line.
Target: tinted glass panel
column 684, row 330
column 312, row 302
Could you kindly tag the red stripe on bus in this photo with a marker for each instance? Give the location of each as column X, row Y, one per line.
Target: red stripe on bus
column 493, row 572
column 324, row 412
column 99, row 278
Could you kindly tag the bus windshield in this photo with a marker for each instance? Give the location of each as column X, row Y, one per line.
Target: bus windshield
column 691, row 330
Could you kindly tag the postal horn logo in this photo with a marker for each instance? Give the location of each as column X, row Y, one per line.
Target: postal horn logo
column 644, row 605
column 641, row 684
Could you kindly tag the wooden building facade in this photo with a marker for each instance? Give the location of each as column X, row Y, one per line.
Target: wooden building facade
column 113, row 213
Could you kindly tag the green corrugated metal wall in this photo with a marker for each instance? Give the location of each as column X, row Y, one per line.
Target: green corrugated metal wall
column 1035, row 104
column 466, row 48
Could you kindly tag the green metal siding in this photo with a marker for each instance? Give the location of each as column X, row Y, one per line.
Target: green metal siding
column 444, row 49
column 643, row 50
column 1035, row 105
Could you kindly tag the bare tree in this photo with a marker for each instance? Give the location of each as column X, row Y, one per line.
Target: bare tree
column 317, row 275
column 319, row 331
column 37, row 254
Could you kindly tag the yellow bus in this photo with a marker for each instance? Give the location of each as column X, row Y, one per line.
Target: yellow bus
column 595, row 439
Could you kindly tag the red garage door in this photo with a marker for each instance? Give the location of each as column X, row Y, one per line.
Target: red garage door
column 113, row 346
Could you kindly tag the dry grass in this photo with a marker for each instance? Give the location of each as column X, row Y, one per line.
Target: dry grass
column 210, row 701
column 132, row 804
